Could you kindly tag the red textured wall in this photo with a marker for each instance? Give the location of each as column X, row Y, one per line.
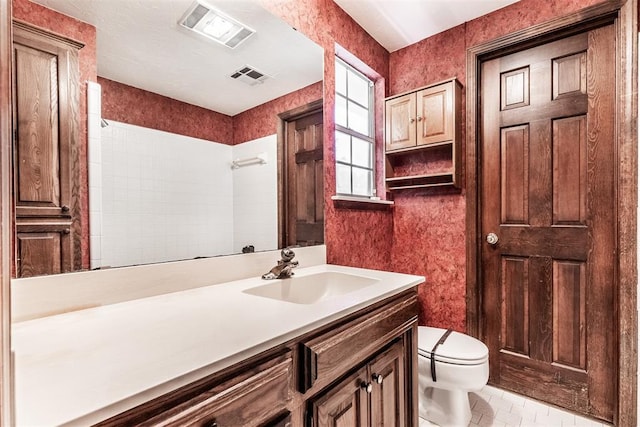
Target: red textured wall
column 71, row 28
column 429, row 227
column 263, row 120
column 353, row 237
column 134, row 106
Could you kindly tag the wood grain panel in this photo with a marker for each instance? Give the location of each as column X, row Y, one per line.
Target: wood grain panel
column 345, row 405
column 514, row 89
column 514, row 181
column 387, row 373
column 570, row 75
column 569, row 313
column 515, row 300
column 434, row 114
column 563, row 243
column 570, row 171
column 39, row 253
column 400, row 128
column 541, row 308
column 37, row 162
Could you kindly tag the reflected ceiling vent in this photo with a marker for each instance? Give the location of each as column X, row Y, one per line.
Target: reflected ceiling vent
column 215, row 25
column 250, row 76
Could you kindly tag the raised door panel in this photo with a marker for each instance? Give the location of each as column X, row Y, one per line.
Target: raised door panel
column 400, row 119
column 344, row 405
column 41, row 253
column 388, row 397
column 435, row 114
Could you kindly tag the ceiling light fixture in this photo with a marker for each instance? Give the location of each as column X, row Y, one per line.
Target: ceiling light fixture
column 215, row 25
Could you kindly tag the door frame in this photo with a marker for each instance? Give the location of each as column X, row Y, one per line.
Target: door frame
column 283, row 200
column 625, row 15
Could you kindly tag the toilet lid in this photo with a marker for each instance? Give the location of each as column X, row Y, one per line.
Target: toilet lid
column 459, row 349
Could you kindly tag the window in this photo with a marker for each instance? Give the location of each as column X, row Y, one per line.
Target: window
column 354, row 132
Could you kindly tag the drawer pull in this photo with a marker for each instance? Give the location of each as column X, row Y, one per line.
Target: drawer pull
column 377, row 378
column 367, row 387
column 210, row 423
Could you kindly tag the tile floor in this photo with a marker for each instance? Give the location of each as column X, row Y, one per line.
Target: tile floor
column 492, row 407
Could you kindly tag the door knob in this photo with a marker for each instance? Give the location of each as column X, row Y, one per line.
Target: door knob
column 377, row 378
column 492, row 239
column 367, row 387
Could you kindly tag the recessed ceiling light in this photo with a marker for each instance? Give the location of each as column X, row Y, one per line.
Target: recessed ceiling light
column 215, row 25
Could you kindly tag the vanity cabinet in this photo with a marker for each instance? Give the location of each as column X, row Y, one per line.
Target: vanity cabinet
column 423, row 126
column 358, row 370
column 374, row 395
column 45, row 152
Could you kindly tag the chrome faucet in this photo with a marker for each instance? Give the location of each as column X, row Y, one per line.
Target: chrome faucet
column 283, row 269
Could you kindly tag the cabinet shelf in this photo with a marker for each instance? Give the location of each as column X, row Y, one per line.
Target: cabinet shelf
column 420, row 181
column 423, row 137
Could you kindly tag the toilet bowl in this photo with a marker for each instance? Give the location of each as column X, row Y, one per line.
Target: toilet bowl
column 459, row 364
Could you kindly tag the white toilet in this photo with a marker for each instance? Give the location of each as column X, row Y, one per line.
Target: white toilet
column 461, row 365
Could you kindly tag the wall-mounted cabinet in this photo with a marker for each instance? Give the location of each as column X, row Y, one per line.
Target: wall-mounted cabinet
column 422, row 137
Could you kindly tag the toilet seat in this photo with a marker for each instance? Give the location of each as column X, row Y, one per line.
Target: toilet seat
column 458, row 349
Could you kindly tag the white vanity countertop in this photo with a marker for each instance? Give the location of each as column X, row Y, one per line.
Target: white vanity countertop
column 82, row 367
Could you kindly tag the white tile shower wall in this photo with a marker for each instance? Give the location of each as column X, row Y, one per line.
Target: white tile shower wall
column 164, row 197
column 255, row 196
column 94, row 102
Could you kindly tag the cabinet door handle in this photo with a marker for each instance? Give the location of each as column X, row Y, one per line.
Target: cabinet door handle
column 412, row 120
column 367, row 387
column 419, row 118
column 66, row 231
column 377, row 378
column 65, row 208
column 210, row 423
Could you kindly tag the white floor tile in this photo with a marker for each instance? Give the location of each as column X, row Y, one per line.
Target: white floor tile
column 492, row 407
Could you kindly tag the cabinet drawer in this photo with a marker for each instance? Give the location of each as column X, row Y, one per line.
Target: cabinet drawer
column 335, row 352
column 253, row 399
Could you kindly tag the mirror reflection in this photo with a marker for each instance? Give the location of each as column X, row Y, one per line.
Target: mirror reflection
column 182, row 146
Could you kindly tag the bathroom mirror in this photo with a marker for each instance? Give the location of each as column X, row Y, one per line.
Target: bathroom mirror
column 165, row 197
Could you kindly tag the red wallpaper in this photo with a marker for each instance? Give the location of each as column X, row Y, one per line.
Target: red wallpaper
column 134, row 106
column 71, row 28
column 429, row 227
column 263, row 120
column 353, row 237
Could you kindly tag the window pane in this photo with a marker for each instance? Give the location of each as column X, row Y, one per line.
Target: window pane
column 361, row 182
column 343, row 147
column 361, row 153
column 343, row 179
column 358, row 118
column 341, row 78
column 358, row 89
column 341, row 111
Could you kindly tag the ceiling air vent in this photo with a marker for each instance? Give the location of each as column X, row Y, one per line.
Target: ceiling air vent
column 249, row 75
column 215, row 25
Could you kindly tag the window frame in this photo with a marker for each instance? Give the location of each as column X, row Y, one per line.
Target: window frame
column 351, row 133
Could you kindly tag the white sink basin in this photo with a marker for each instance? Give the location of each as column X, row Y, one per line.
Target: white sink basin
column 312, row 288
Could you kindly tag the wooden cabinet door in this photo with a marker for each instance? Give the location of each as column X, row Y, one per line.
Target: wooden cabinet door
column 387, row 375
column 45, row 154
column 400, row 122
column 345, row 405
column 435, row 114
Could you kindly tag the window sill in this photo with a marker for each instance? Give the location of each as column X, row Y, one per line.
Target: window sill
column 350, row 202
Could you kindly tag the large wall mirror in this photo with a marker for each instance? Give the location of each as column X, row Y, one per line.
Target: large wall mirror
column 183, row 154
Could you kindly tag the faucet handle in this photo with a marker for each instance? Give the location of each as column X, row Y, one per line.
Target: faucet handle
column 287, row 254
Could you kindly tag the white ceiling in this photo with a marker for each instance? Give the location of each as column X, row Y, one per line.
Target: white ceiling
column 140, row 43
column 399, row 23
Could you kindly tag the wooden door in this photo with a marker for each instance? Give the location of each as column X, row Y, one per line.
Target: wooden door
column 45, row 153
column 304, row 191
column 400, row 122
column 435, row 114
column 547, row 192
column 344, row 405
column 388, row 403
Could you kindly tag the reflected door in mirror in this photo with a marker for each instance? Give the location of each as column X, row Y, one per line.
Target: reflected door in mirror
column 304, row 180
column 44, row 152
